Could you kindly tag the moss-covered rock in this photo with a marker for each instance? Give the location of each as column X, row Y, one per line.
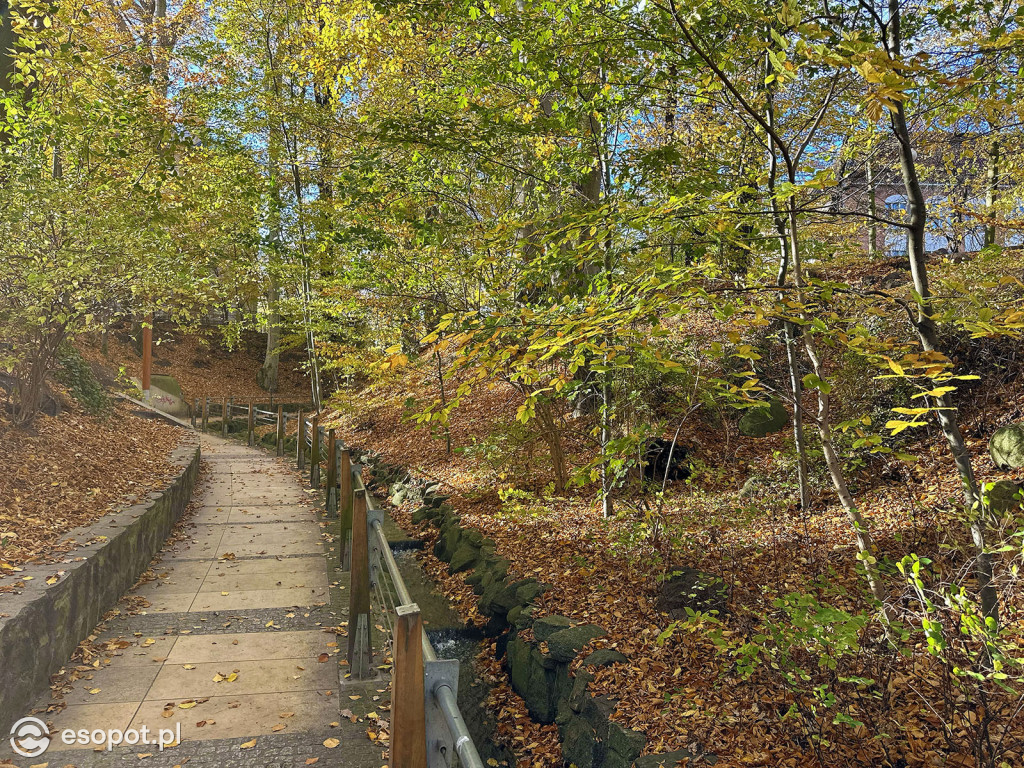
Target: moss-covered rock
column 578, row 695
column 625, row 742
column 1006, row 447
column 604, row 657
column 764, row 420
column 1002, row 496
column 581, row 746
column 546, row 626
column 464, row 558
column 530, row 679
column 566, row 644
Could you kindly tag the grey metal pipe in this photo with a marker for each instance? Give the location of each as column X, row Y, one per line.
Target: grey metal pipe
column 464, row 746
column 446, row 699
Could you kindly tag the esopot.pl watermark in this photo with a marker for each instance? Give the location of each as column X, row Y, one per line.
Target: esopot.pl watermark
column 30, row 737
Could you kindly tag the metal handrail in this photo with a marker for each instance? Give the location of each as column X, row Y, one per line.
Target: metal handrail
column 442, row 691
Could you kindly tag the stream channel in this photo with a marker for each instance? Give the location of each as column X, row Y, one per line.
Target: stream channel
column 453, row 640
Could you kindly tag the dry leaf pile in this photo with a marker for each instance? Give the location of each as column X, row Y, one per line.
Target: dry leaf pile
column 69, row 470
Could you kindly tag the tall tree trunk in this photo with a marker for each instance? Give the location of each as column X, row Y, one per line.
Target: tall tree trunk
column 789, row 330
column 992, row 191
column 927, row 331
column 267, row 376
column 872, row 210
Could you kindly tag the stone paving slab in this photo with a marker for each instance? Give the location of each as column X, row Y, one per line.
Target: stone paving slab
column 239, row 628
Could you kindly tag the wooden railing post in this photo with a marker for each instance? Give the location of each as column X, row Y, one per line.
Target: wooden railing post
column 206, row 413
column 300, row 443
column 225, row 415
column 280, row 430
column 345, row 508
column 195, row 411
column 314, row 454
column 360, row 651
column 408, row 718
column 332, row 474
column 250, row 431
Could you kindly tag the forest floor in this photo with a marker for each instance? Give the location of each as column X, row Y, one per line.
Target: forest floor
column 202, row 363
column 685, row 687
column 68, row 470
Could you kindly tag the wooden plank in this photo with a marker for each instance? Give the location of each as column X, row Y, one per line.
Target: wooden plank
column 280, row 430
column 225, row 416
column 206, row 413
column 332, row 473
column 345, row 508
column 314, row 453
column 251, row 431
column 300, row 443
column 408, row 719
column 360, row 652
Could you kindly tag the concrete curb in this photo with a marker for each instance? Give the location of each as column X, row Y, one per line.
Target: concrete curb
column 42, row 626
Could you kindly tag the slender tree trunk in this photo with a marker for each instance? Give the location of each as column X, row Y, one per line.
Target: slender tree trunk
column 992, row 191
column 927, row 332
column 789, row 330
column 872, row 211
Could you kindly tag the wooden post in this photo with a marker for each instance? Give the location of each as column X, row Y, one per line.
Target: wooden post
column 360, row 651
column 314, row 454
column 206, row 412
column 280, row 430
column 300, row 443
column 195, row 411
column 147, row 355
column 225, row 415
column 332, row 474
column 250, row 433
column 408, row 718
column 345, row 509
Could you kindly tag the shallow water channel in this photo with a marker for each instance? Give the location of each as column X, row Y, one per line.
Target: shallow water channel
column 452, row 640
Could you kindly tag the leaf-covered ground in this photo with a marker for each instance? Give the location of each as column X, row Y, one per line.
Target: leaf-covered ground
column 683, row 690
column 201, row 363
column 69, row 470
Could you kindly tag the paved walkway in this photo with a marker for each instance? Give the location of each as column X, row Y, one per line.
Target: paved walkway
column 235, row 649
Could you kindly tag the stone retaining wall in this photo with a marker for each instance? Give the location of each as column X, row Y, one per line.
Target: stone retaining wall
column 538, row 673
column 42, row 626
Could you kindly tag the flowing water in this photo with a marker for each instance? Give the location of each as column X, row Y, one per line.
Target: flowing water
column 452, row 640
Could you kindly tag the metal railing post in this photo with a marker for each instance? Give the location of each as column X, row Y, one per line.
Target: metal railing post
column 408, row 717
column 280, row 430
column 300, row 443
column 206, row 413
column 345, row 509
column 225, row 414
column 250, row 432
column 314, row 453
column 332, row 474
column 360, row 650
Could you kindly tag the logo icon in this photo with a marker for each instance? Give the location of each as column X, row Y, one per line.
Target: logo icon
column 30, row 737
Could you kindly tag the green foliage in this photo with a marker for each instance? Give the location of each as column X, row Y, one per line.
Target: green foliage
column 77, row 375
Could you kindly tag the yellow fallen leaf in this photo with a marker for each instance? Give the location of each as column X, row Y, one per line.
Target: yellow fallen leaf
column 147, row 642
column 186, row 705
column 286, row 714
column 190, row 666
column 94, row 691
column 225, row 593
column 311, row 760
column 331, row 743
column 248, row 744
column 278, row 727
